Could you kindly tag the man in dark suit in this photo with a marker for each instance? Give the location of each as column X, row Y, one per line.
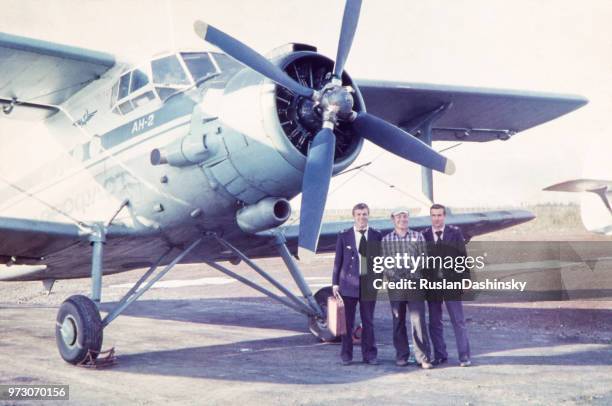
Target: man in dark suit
column 446, row 241
column 354, row 248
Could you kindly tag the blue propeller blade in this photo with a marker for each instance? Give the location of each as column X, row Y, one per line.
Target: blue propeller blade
column 317, row 175
column 347, row 33
column 249, row 57
column 401, row 143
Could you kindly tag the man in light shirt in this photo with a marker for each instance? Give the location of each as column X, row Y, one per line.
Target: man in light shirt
column 402, row 241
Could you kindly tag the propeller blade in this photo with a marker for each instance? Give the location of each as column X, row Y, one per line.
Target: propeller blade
column 317, row 176
column 401, row 143
column 347, row 33
column 249, row 57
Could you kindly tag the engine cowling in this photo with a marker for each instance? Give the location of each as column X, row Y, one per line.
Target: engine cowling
column 267, row 130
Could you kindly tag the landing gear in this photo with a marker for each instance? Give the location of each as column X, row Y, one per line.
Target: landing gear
column 318, row 325
column 79, row 326
column 78, row 329
column 314, row 306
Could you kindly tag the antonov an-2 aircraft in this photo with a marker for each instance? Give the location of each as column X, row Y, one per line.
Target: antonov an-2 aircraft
column 191, row 157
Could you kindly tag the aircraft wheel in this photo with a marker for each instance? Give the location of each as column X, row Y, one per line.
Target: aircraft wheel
column 318, row 327
column 78, row 329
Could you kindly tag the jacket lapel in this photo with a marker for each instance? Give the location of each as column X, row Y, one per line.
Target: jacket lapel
column 370, row 233
column 350, row 239
column 428, row 234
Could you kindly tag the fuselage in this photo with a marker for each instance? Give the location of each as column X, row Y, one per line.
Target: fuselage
column 110, row 128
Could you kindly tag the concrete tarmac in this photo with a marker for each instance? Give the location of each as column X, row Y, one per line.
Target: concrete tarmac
column 202, row 338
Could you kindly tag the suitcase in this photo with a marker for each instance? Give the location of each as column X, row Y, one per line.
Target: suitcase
column 336, row 319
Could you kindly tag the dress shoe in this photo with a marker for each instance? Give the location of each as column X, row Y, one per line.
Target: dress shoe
column 372, row 361
column 426, row 365
column 466, row 363
column 401, row 362
column 440, row 361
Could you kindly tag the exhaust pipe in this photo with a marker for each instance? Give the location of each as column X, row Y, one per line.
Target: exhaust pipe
column 267, row 213
column 187, row 151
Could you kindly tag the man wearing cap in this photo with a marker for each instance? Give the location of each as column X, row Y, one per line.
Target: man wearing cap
column 446, row 241
column 354, row 249
column 402, row 241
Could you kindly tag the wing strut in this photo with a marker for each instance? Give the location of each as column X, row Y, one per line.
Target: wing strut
column 314, row 306
column 422, row 128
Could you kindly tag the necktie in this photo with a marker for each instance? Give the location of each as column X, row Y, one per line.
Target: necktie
column 362, row 244
column 439, row 234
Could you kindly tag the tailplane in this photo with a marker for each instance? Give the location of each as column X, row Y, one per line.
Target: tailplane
column 602, row 188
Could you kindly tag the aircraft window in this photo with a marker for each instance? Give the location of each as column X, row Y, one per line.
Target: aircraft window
column 226, row 63
column 126, row 107
column 143, row 99
column 139, row 79
column 132, row 91
column 199, row 64
column 169, row 72
column 124, row 85
column 165, row 92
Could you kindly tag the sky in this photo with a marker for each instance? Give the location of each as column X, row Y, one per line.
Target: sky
column 560, row 46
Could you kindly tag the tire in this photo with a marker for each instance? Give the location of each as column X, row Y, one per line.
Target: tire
column 317, row 326
column 78, row 329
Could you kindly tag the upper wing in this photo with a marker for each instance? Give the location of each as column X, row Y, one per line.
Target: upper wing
column 471, row 225
column 36, row 75
column 474, row 114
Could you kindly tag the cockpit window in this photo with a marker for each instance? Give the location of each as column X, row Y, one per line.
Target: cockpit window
column 169, row 72
column 124, row 85
column 132, row 90
column 226, row 63
column 199, row 64
column 139, row 79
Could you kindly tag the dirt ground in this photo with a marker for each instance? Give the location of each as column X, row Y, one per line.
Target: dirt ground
column 202, row 338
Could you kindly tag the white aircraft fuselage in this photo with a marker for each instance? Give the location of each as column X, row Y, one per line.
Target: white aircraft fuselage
column 224, row 145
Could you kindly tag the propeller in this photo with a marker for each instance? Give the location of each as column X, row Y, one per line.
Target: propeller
column 347, row 33
column 335, row 102
column 249, row 57
column 315, row 185
column 399, row 142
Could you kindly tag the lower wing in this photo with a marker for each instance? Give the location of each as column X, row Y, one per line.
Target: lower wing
column 39, row 250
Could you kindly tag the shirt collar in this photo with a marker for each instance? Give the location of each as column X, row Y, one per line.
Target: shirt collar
column 408, row 234
column 357, row 231
column 405, row 235
column 438, row 229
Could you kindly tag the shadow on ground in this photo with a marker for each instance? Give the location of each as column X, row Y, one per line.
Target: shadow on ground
column 496, row 334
